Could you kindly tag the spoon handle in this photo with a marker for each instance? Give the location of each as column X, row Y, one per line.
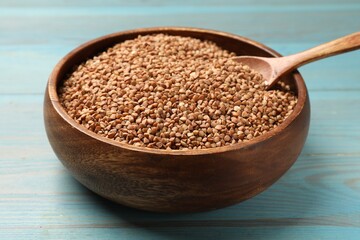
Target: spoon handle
column 338, row 46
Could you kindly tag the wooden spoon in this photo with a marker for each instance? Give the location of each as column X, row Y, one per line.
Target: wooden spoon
column 273, row 68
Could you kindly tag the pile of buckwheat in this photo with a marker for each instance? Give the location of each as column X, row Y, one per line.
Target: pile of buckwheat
column 172, row 92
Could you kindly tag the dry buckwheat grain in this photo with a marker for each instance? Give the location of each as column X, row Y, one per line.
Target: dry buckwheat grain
column 172, row 92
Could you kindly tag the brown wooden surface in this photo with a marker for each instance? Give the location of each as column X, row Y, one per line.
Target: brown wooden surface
column 169, row 180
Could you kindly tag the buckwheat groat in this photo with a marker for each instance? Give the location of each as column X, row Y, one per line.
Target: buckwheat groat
column 172, row 92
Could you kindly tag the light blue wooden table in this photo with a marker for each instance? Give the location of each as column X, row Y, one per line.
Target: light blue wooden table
column 318, row 198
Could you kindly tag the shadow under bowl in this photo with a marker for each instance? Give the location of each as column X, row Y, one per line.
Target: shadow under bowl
column 174, row 180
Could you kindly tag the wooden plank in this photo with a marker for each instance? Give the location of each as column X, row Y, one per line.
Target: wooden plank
column 166, row 9
column 286, row 232
column 268, row 27
column 112, row 3
column 337, row 73
column 36, row 63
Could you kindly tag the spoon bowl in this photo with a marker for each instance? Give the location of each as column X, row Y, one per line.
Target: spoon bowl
column 259, row 64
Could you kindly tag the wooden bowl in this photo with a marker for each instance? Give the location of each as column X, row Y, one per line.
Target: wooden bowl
column 174, row 180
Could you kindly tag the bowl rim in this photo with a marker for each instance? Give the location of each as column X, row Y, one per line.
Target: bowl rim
column 54, row 78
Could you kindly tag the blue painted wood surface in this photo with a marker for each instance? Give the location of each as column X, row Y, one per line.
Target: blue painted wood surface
column 318, row 198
